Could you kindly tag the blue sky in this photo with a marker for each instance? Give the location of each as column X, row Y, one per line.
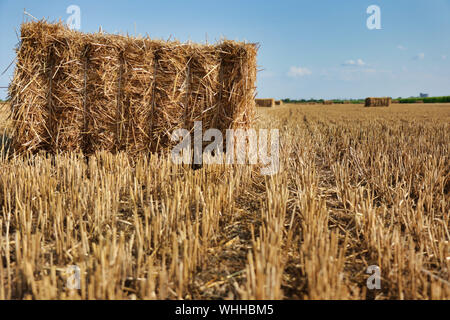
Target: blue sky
column 308, row 49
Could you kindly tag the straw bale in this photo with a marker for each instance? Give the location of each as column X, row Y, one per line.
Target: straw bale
column 169, row 95
column 137, row 94
column 87, row 92
column 237, row 76
column 29, row 90
column 202, row 93
column 269, row 103
column 66, row 103
column 377, row 102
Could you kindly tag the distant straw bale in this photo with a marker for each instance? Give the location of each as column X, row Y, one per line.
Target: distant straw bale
column 87, row 92
column 377, row 102
column 279, row 102
column 328, row 102
column 268, row 103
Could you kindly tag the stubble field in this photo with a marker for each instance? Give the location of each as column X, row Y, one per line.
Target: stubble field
column 357, row 187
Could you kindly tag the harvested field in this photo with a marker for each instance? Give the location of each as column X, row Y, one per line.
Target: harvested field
column 357, row 187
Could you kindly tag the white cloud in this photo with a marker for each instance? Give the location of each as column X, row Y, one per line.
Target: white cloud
column 419, row 56
column 401, row 47
column 444, row 57
column 295, row 72
column 357, row 63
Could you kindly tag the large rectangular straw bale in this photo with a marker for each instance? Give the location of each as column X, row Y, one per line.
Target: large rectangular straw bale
column 237, row 76
column 66, row 121
column 104, row 77
column 87, row 92
column 169, row 95
column 29, row 90
column 137, row 95
column 203, row 90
